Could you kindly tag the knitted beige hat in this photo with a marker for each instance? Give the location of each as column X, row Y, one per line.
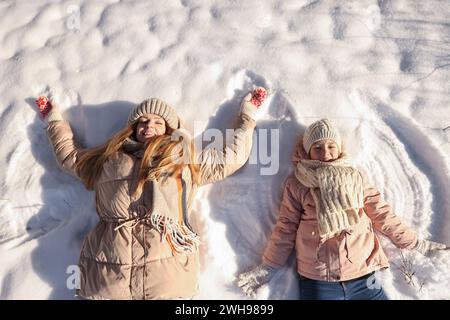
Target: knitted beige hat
column 321, row 130
column 158, row 107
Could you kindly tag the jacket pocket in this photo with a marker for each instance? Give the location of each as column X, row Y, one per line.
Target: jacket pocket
column 359, row 243
column 307, row 244
column 186, row 262
column 105, row 245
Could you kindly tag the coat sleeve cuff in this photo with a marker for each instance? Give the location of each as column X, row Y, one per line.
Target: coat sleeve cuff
column 54, row 115
column 271, row 263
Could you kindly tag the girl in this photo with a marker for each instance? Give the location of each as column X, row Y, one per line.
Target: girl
column 329, row 213
column 144, row 182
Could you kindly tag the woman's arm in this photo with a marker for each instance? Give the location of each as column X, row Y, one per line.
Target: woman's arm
column 216, row 164
column 283, row 237
column 64, row 147
column 60, row 136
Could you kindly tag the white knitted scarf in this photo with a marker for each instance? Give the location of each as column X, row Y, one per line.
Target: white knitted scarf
column 337, row 190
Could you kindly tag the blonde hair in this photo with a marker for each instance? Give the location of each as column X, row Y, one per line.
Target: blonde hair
column 164, row 152
column 170, row 157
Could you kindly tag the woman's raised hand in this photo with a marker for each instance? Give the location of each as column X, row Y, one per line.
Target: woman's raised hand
column 47, row 109
column 253, row 103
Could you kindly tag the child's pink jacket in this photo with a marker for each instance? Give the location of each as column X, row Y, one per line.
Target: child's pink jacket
column 348, row 256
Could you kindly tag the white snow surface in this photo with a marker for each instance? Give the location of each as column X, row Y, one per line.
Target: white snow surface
column 379, row 69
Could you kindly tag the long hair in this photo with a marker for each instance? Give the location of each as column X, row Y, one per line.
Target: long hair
column 161, row 158
column 165, row 157
column 89, row 165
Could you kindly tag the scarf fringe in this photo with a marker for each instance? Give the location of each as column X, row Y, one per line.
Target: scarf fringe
column 179, row 237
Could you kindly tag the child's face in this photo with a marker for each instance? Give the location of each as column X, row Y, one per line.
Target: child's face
column 324, row 150
column 150, row 126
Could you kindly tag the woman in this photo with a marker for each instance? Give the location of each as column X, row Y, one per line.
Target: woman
column 329, row 214
column 144, row 181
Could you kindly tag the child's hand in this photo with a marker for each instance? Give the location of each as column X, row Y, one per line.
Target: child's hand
column 253, row 103
column 426, row 247
column 250, row 281
column 47, row 110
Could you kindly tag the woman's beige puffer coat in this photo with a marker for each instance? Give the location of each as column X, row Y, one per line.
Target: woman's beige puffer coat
column 125, row 256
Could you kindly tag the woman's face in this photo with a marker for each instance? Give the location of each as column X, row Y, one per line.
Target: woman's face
column 150, row 126
column 324, row 150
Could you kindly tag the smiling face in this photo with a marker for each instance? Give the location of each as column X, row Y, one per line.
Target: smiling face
column 150, row 126
column 324, row 150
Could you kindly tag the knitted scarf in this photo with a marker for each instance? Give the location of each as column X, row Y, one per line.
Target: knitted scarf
column 337, row 190
column 178, row 233
column 133, row 147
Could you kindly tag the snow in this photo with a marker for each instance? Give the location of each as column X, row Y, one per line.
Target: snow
column 379, row 69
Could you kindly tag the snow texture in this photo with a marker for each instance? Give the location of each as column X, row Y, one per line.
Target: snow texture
column 379, row 69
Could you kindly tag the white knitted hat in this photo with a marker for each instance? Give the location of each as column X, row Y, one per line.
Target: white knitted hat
column 321, row 130
column 158, row 107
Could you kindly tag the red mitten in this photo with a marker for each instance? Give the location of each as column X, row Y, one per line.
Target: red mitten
column 258, row 96
column 43, row 105
column 253, row 103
